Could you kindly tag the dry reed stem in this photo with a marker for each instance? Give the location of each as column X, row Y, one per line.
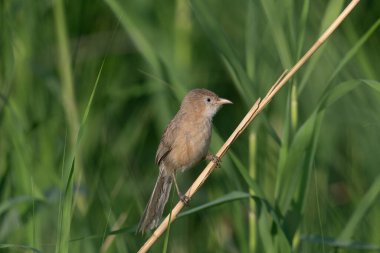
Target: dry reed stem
column 256, row 109
column 107, row 242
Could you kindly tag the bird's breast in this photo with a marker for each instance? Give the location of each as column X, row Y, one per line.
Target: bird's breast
column 192, row 144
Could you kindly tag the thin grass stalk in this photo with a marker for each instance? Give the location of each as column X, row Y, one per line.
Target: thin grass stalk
column 252, row 219
column 69, row 107
column 65, row 72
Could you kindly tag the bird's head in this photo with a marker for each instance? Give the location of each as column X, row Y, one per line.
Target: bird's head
column 203, row 103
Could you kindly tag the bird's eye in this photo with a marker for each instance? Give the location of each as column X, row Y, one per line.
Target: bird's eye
column 208, row 99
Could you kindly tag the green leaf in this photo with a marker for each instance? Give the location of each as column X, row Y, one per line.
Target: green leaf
column 353, row 50
column 216, row 35
column 373, row 84
column 19, row 247
column 338, row 244
column 370, row 199
column 244, row 173
column 139, row 39
column 233, row 196
column 292, row 166
column 10, row 203
column 332, row 11
column 335, row 93
column 278, row 32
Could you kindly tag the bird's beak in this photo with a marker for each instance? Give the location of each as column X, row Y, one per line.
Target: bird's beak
column 222, row 101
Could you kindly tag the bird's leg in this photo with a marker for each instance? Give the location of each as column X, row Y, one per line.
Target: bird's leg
column 185, row 199
column 213, row 158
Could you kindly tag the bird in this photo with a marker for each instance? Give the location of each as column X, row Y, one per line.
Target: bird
column 185, row 142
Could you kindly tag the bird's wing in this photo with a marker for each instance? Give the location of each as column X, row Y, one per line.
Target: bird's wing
column 169, row 137
column 162, row 151
column 167, row 142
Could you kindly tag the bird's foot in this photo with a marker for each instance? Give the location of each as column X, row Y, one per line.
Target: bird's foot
column 215, row 159
column 184, row 199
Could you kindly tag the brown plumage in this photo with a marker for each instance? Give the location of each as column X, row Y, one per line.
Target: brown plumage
column 184, row 143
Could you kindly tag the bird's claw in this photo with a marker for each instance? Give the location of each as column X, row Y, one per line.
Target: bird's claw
column 185, row 200
column 215, row 159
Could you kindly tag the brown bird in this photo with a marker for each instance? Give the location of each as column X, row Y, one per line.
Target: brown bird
column 184, row 143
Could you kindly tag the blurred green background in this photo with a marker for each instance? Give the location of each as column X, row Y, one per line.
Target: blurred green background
column 87, row 88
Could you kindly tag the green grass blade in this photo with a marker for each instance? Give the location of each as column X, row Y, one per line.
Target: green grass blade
column 369, row 200
column 338, row 244
column 251, row 40
column 299, row 161
column 140, row 41
column 19, row 247
column 66, row 208
column 278, row 33
column 64, row 63
column 10, row 203
column 284, row 148
column 228, row 54
column 244, row 173
column 252, row 219
column 232, row 196
column 64, row 220
column 302, row 23
column 354, row 50
column 332, row 11
column 375, row 85
column 337, row 92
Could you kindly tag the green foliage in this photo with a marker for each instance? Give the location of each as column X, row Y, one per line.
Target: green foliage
column 86, row 89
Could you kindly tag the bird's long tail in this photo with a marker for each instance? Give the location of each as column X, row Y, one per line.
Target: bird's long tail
column 153, row 211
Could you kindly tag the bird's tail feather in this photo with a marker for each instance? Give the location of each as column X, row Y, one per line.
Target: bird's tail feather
column 153, row 211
